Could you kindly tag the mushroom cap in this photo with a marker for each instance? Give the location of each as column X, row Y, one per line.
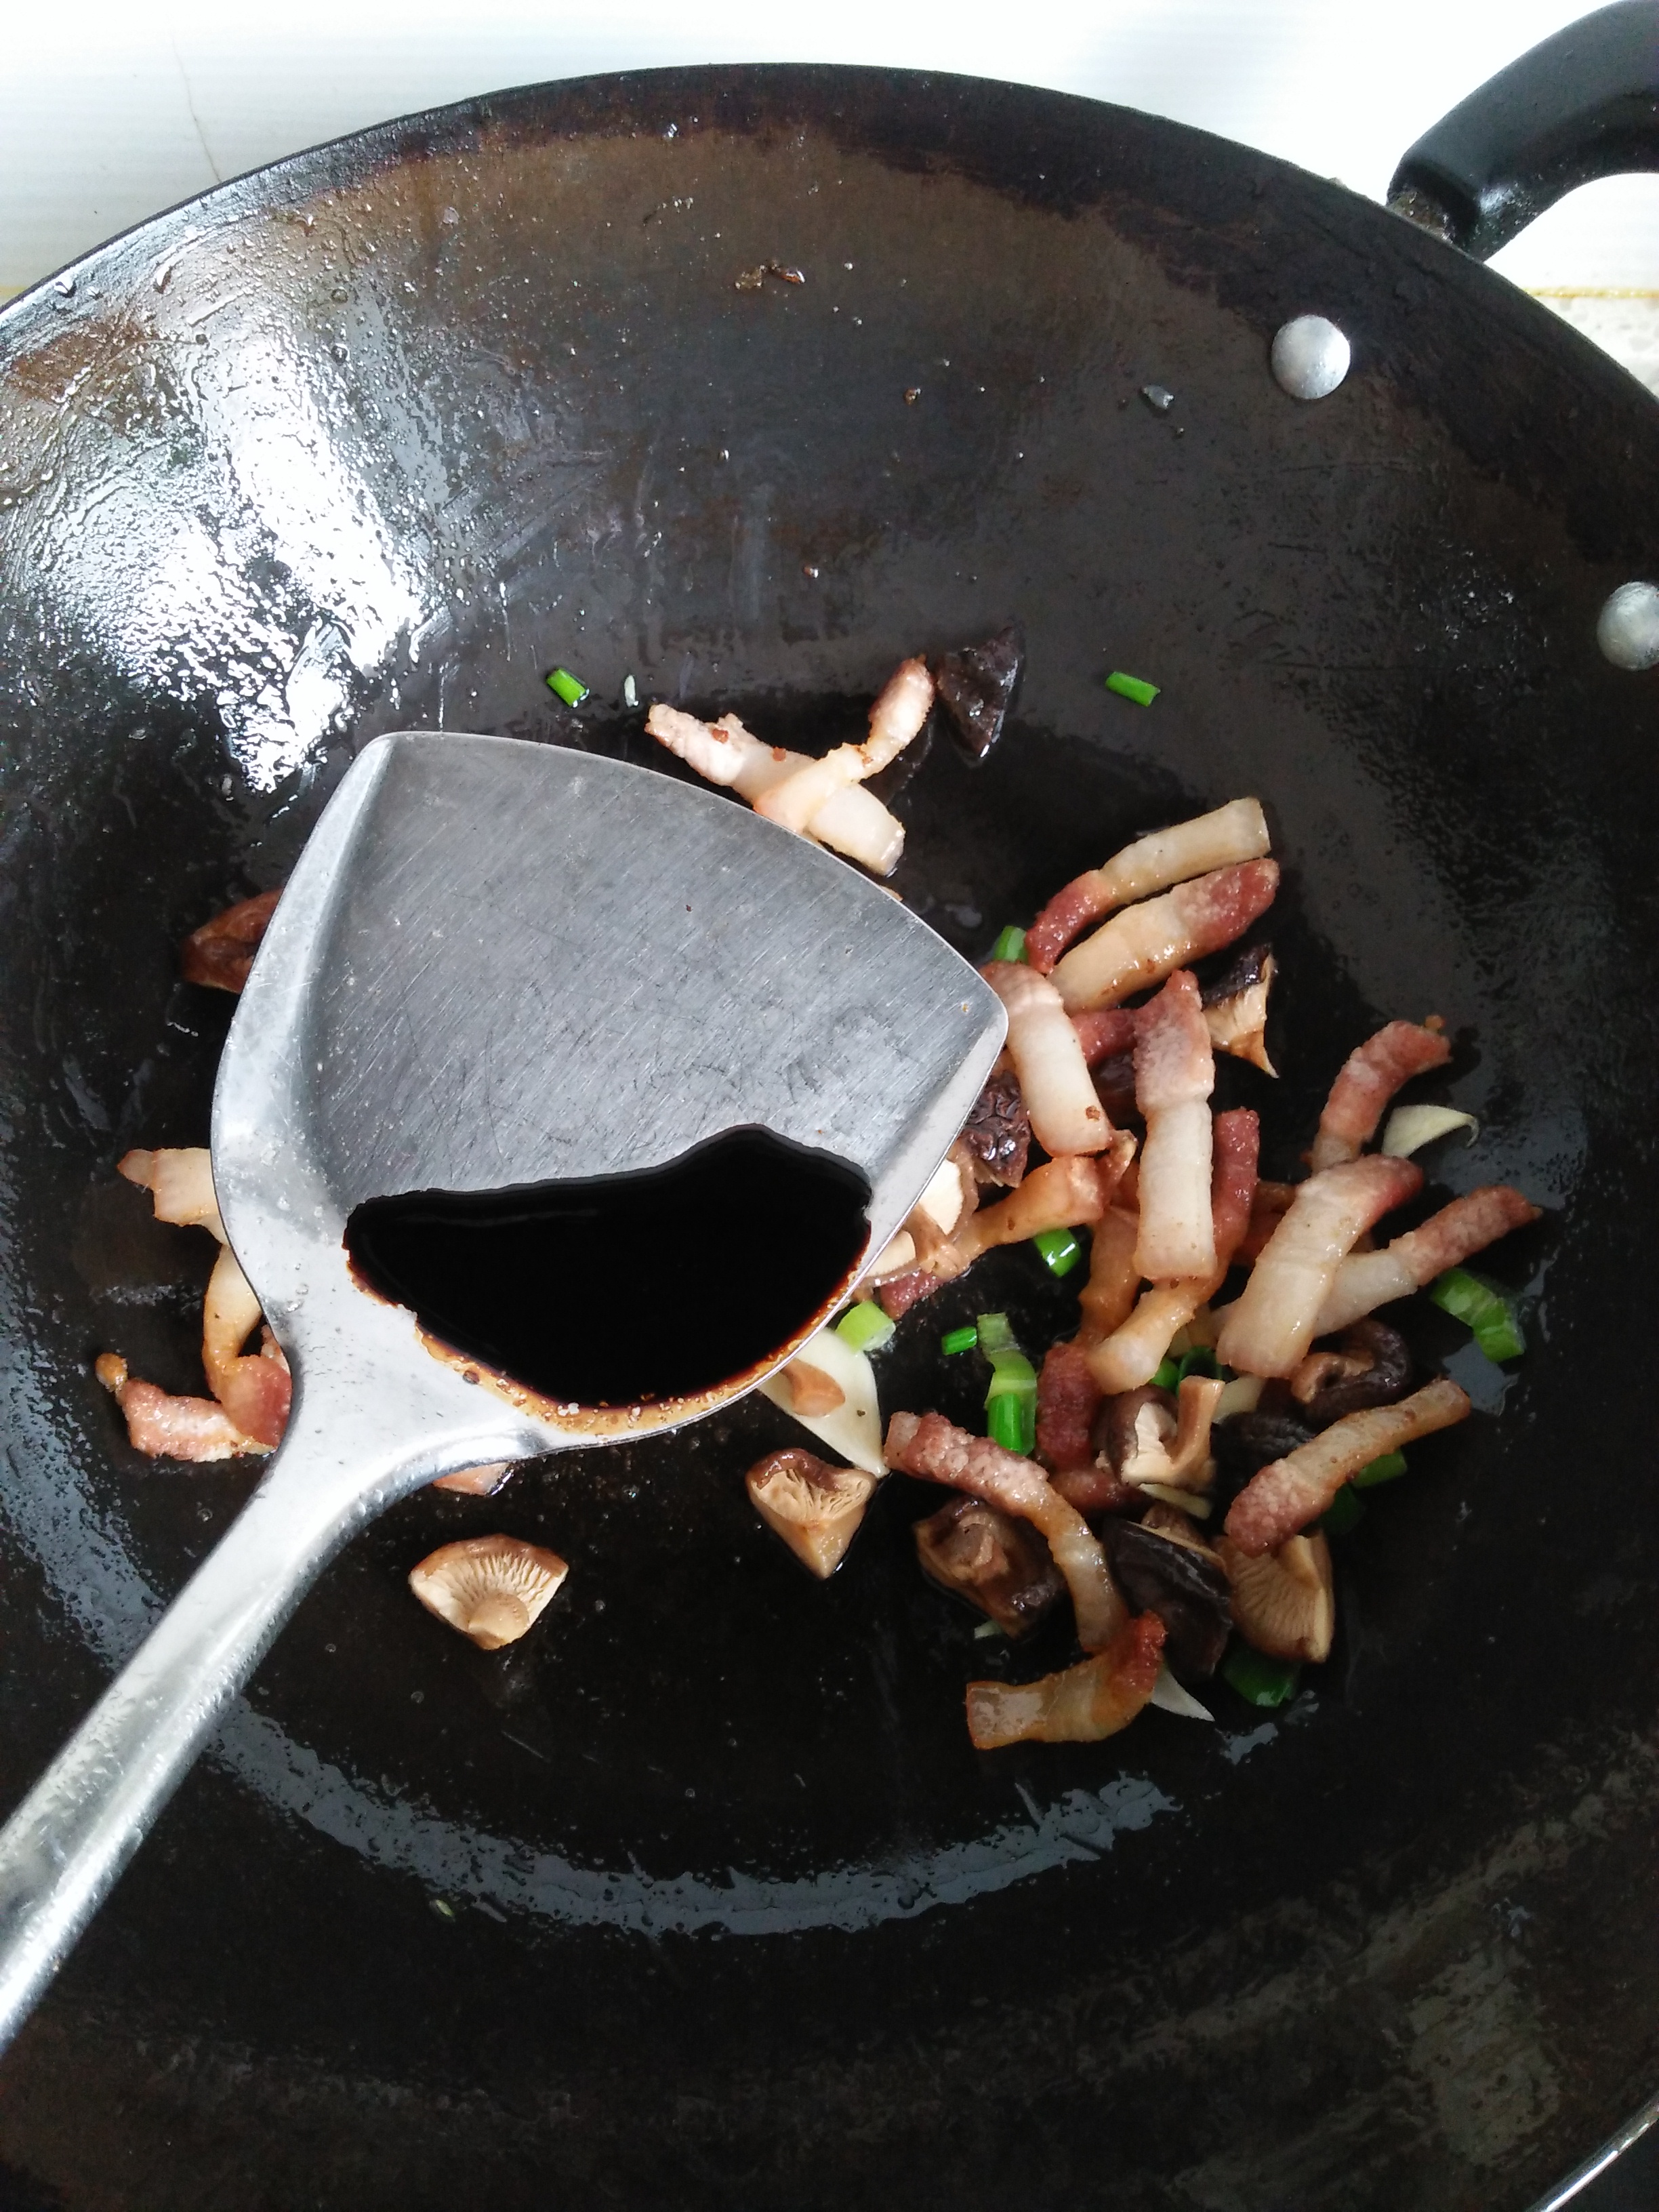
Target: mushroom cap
column 1284, row 1601
column 815, row 1508
column 1001, row 1566
column 493, row 1589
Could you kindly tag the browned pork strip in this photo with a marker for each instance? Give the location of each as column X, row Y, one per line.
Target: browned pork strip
column 1063, row 1193
column 1367, row 1080
column 1095, row 1698
column 1069, row 1398
column 166, row 1427
column 1271, row 1325
column 927, row 1445
column 1366, row 1280
column 1105, row 1033
column 1143, row 944
column 1281, row 1498
column 1107, row 1299
column 1237, row 831
column 221, row 952
column 253, row 1390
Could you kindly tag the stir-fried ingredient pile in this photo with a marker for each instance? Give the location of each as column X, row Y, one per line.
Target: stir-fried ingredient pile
column 1172, row 1469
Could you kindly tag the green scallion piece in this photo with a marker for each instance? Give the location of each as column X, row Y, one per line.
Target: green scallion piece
column 1344, row 1512
column 1259, row 1679
column 959, row 1340
column 1010, row 945
column 1011, row 1376
column 1388, row 1468
column 1168, row 1377
column 987, row 1628
column 994, row 1334
column 570, row 689
column 1131, row 687
column 1201, row 1360
column 1059, row 1249
column 865, row 1326
column 1011, row 1421
column 1483, row 1309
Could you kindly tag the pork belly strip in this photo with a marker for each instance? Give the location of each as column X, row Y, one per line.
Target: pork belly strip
column 254, row 1391
column 1270, row 1327
column 180, row 1180
column 853, row 821
column 1069, row 1398
column 1143, row 944
column 166, row 1427
column 1130, row 1354
column 896, row 717
column 927, row 1445
column 1284, row 1497
column 1066, row 1114
column 1108, row 1298
column 1368, row 1079
column 1174, row 1073
column 1366, row 1280
column 221, row 952
column 1095, row 1698
column 1233, row 833
column 1070, row 1193
column 1104, row 1033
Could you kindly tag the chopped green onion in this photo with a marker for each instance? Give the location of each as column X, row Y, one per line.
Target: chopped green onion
column 1012, row 1374
column 865, row 1326
column 1258, row 1678
column 987, row 1628
column 1011, row 1421
column 1201, row 1360
column 570, row 689
column 1168, row 1377
column 1131, row 687
column 1483, row 1309
column 1010, row 945
column 959, row 1340
column 995, row 1334
column 1060, row 1249
column 1388, row 1468
column 1343, row 1513
column 443, row 1910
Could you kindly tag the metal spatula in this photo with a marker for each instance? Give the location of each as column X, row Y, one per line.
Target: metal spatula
column 496, row 965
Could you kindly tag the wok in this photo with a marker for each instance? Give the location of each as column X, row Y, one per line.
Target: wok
column 699, row 1896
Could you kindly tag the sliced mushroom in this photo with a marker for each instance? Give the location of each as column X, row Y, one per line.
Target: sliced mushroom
column 1236, row 1008
column 998, row 1564
column 1147, row 1438
column 1181, row 1580
column 975, row 685
column 1371, row 1366
column 493, row 1589
column 1284, row 1601
column 998, row 1132
column 1256, row 1439
column 815, row 1508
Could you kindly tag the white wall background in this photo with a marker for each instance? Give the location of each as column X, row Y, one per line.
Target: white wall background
column 109, row 113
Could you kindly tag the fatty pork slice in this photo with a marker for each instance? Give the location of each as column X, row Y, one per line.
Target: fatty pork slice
column 853, row 821
column 1368, row 1079
column 1131, row 1355
column 1175, row 1074
column 1143, row 944
column 253, row 1390
column 1366, row 1280
column 896, row 718
column 1065, row 1114
column 1069, row 1192
column 1287, row 1495
column 165, row 1427
column 927, row 1445
column 1270, row 1327
column 1082, row 1704
column 1233, row 833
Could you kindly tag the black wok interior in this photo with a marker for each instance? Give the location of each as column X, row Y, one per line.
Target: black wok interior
column 699, row 1896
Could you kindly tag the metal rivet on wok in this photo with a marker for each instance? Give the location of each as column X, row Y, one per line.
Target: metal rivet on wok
column 1311, row 357
column 1628, row 630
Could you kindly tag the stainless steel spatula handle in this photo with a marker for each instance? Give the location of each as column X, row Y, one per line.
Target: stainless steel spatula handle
column 63, row 1847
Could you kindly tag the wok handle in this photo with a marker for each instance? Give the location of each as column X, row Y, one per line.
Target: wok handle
column 1581, row 104
column 63, row 1849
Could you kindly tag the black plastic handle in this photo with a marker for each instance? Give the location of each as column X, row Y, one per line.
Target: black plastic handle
column 1585, row 104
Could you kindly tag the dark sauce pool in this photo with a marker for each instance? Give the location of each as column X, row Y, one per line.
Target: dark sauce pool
column 624, row 1289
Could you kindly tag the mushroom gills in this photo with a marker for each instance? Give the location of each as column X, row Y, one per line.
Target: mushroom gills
column 816, row 1508
column 493, row 1589
column 1284, row 1602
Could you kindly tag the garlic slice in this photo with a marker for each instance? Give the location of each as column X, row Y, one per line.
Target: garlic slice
column 1169, row 1694
column 852, row 1429
column 1410, row 1127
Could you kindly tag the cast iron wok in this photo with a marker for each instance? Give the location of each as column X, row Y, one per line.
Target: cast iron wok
column 699, row 1896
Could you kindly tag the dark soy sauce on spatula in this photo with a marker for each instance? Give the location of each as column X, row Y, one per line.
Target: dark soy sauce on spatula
column 626, row 1289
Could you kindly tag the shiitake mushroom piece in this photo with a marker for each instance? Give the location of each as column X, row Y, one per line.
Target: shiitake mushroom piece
column 1370, row 1365
column 998, row 1565
column 976, row 687
column 1183, row 1582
